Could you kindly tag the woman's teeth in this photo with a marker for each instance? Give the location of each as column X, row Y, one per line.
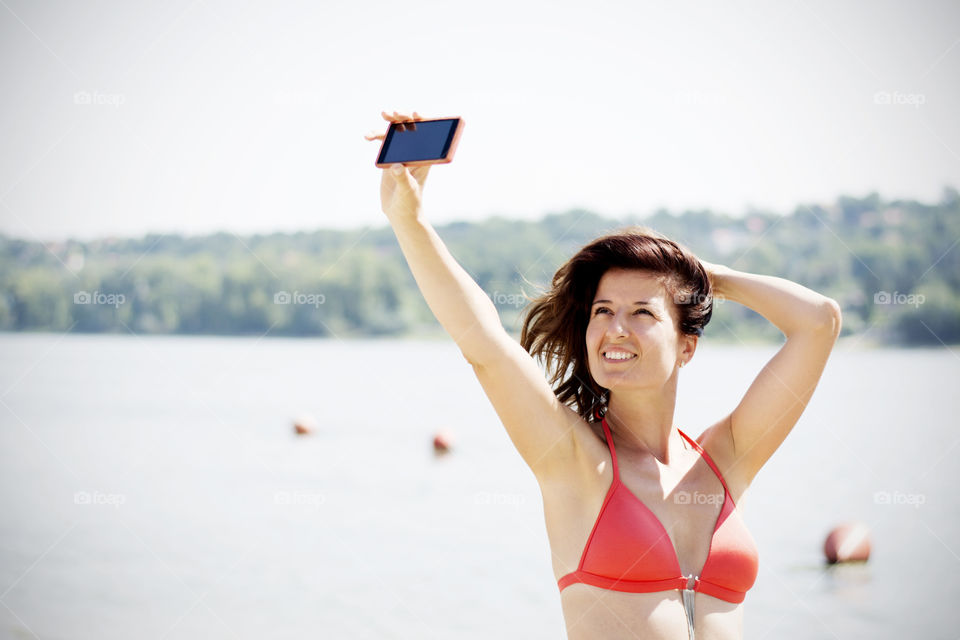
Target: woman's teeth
column 619, row 355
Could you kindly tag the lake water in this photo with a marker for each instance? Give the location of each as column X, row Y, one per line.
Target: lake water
column 153, row 487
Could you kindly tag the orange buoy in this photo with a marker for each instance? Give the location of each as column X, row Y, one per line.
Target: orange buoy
column 848, row 542
column 442, row 441
column 304, row 424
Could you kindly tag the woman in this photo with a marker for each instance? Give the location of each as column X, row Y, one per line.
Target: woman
column 645, row 535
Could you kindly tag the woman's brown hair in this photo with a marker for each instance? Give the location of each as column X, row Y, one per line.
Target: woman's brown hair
column 555, row 325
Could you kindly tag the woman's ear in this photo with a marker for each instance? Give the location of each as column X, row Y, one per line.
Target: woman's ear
column 688, row 346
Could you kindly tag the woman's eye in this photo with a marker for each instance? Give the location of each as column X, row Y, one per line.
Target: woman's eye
column 600, row 310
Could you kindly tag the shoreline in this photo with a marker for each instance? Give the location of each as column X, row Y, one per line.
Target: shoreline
column 854, row 342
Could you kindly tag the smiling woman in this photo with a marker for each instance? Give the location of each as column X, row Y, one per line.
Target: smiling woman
column 622, row 317
column 645, row 532
column 663, row 280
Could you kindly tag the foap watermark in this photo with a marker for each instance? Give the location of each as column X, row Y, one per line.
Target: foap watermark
column 298, row 297
column 499, row 499
column 299, row 497
column 885, row 297
column 99, row 498
column 697, row 298
column 697, row 497
column 99, row 297
column 899, row 497
column 898, row 98
column 99, row 99
column 513, row 299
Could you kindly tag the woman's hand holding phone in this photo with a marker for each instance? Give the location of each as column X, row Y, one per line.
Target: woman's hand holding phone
column 401, row 187
column 462, row 307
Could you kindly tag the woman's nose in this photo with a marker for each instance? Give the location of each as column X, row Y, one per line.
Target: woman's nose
column 617, row 326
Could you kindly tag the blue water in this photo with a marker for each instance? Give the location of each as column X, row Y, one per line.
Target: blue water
column 152, row 487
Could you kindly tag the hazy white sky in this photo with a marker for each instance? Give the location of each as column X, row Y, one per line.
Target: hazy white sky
column 191, row 116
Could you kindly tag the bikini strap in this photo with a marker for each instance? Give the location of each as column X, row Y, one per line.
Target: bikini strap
column 613, row 451
column 706, row 456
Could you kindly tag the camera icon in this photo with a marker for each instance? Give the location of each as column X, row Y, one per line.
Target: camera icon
column 82, row 97
column 81, row 297
column 882, row 97
column 882, row 297
column 281, row 297
column 682, row 497
column 82, row 497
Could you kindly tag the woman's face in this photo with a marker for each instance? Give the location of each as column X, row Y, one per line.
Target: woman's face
column 632, row 340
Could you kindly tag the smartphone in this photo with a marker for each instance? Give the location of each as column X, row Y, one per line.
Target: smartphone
column 420, row 142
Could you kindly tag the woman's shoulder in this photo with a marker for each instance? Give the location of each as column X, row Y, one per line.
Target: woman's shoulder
column 717, row 441
column 590, row 452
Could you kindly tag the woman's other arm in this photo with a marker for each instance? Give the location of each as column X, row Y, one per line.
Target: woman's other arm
column 778, row 396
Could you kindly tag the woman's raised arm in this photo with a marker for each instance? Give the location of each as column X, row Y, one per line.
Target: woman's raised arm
column 461, row 306
column 536, row 421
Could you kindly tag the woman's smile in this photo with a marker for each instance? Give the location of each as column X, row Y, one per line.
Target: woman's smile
column 618, row 355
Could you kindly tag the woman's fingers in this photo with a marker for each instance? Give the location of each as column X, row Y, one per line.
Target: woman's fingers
column 396, row 117
column 400, row 118
column 420, row 173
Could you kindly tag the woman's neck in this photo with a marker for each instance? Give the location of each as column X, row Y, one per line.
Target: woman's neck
column 643, row 422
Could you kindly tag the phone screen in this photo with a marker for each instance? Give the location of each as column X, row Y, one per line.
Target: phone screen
column 429, row 140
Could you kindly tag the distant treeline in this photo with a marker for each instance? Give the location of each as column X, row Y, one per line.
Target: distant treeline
column 894, row 266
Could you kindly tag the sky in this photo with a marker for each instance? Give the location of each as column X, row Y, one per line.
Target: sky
column 198, row 116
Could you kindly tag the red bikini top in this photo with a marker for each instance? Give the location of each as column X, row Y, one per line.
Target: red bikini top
column 629, row 549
